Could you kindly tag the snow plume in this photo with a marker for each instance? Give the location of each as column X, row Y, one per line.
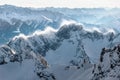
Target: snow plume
column 93, row 29
column 20, row 36
column 110, row 31
column 47, row 32
column 104, row 31
column 68, row 22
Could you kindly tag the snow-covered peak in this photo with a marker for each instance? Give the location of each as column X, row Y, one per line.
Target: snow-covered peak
column 22, row 48
column 43, row 41
column 71, row 47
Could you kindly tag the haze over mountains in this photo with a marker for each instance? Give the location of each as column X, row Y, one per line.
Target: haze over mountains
column 59, row 43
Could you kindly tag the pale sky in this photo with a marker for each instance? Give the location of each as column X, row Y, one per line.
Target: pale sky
column 64, row 3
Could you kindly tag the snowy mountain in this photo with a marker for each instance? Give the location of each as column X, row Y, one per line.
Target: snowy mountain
column 53, row 53
column 50, row 44
column 59, row 43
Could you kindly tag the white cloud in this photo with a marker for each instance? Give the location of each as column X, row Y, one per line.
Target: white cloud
column 63, row 3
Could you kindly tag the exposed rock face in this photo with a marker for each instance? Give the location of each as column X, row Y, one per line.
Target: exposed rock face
column 109, row 66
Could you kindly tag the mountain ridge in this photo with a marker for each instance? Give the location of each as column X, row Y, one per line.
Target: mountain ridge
column 54, row 44
column 28, row 20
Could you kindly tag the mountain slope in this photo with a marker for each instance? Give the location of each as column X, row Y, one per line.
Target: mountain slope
column 56, row 52
column 51, row 47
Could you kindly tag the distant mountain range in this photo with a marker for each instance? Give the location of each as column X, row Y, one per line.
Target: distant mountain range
column 15, row 20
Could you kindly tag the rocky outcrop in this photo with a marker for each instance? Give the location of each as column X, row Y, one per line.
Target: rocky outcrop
column 109, row 65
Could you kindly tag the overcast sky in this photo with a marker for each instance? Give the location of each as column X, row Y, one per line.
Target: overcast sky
column 64, row 3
